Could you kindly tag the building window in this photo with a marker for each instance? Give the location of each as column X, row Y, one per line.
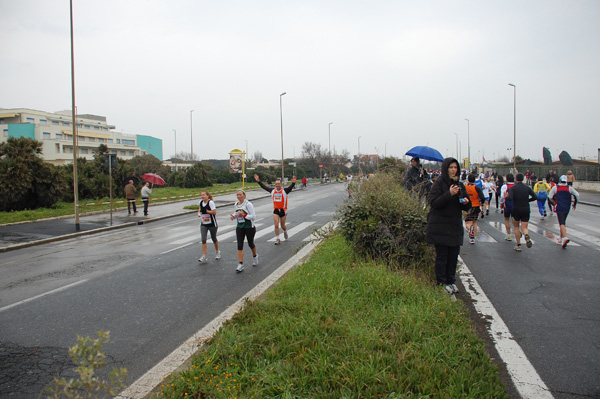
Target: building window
column 69, row 136
column 30, row 120
column 59, row 136
column 128, row 142
column 96, row 128
column 91, row 139
column 130, row 153
column 43, row 121
column 55, row 122
column 46, row 136
column 110, row 141
column 86, row 126
column 81, row 138
column 113, row 152
column 84, row 151
column 118, row 141
column 123, row 153
column 66, row 124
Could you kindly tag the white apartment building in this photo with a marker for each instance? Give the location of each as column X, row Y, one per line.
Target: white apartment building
column 55, row 131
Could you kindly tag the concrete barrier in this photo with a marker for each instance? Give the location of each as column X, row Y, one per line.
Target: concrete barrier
column 587, row 185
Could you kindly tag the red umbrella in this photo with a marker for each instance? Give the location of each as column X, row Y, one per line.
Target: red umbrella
column 154, row 179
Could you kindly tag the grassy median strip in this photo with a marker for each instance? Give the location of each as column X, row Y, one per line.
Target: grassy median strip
column 341, row 327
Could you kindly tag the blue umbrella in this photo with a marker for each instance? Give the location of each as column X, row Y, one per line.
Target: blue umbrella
column 424, row 152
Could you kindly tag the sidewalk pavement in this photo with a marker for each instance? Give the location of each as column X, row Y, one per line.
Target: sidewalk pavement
column 22, row 235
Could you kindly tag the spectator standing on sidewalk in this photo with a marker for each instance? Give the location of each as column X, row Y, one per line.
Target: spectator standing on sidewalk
column 570, row 178
column 130, row 191
column 448, row 199
column 146, row 191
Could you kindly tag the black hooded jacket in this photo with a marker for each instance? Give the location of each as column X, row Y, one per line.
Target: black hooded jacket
column 444, row 222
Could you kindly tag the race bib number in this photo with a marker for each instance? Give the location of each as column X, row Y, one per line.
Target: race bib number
column 206, row 218
column 241, row 220
column 278, row 197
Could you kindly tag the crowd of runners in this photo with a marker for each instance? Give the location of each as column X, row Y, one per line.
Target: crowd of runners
column 458, row 199
column 244, row 215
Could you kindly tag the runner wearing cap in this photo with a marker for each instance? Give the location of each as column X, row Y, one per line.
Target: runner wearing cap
column 279, row 196
column 562, row 194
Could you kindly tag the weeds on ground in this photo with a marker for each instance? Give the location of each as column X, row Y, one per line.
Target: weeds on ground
column 339, row 327
column 383, row 222
column 88, row 355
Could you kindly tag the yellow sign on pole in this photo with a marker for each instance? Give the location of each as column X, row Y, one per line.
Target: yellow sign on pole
column 237, row 163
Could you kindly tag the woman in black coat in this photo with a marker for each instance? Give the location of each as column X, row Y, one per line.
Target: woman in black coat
column 447, row 199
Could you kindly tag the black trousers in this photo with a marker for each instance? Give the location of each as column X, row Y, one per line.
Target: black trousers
column 446, row 259
column 146, row 201
column 131, row 203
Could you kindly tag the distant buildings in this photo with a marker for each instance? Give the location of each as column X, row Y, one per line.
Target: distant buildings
column 55, row 131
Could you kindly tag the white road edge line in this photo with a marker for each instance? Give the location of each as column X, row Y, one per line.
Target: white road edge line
column 153, row 377
column 42, row 295
column 521, row 371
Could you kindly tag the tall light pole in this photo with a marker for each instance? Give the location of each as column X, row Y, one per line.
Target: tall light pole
column 359, row 172
column 330, row 123
column 385, row 151
column 514, row 128
column 75, row 184
column 469, row 142
column 191, row 137
column 281, row 118
column 457, row 156
column 175, row 131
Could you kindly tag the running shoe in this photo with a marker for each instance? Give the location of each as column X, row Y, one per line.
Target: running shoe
column 518, row 248
column 482, row 215
column 528, row 241
column 454, row 288
column 255, row 260
column 277, row 241
column 565, row 242
column 202, row 259
column 487, row 212
column 218, row 255
column 285, row 235
column 545, row 213
column 240, row 268
column 508, row 238
column 559, row 240
column 472, row 240
column 449, row 289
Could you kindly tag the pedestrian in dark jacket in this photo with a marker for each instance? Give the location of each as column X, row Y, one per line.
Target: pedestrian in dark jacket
column 447, row 199
column 415, row 176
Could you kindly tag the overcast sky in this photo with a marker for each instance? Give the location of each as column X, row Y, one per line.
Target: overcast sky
column 394, row 73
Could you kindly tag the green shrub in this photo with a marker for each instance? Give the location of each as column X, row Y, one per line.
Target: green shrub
column 383, row 222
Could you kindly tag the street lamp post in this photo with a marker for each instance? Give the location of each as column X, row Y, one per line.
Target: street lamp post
column 359, row 171
column 75, row 185
column 330, row 123
column 191, row 138
column 457, row 156
column 175, row 131
column 281, row 119
column 469, row 142
column 514, row 128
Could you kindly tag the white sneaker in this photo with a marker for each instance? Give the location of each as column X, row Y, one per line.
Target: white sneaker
column 255, row 260
column 508, row 238
column 285, row 234
column 449, row 290
column 202, row 259
column 565, row 241
column 559, row 240
column 277, row 241
column 240, row 268
column 454, row 288
column 218, row 255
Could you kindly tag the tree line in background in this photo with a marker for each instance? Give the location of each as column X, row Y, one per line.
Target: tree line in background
column 30, row 183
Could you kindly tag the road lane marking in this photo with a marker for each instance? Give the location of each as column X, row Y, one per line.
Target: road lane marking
column 295, row 230
column 521, row 371
column 155, row 376
column 220, row 238
column 41, row 295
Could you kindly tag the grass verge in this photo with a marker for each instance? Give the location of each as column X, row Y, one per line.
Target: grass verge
column 340, row 327
column 67, row 208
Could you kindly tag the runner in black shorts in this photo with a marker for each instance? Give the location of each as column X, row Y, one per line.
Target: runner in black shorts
column 521, row 195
